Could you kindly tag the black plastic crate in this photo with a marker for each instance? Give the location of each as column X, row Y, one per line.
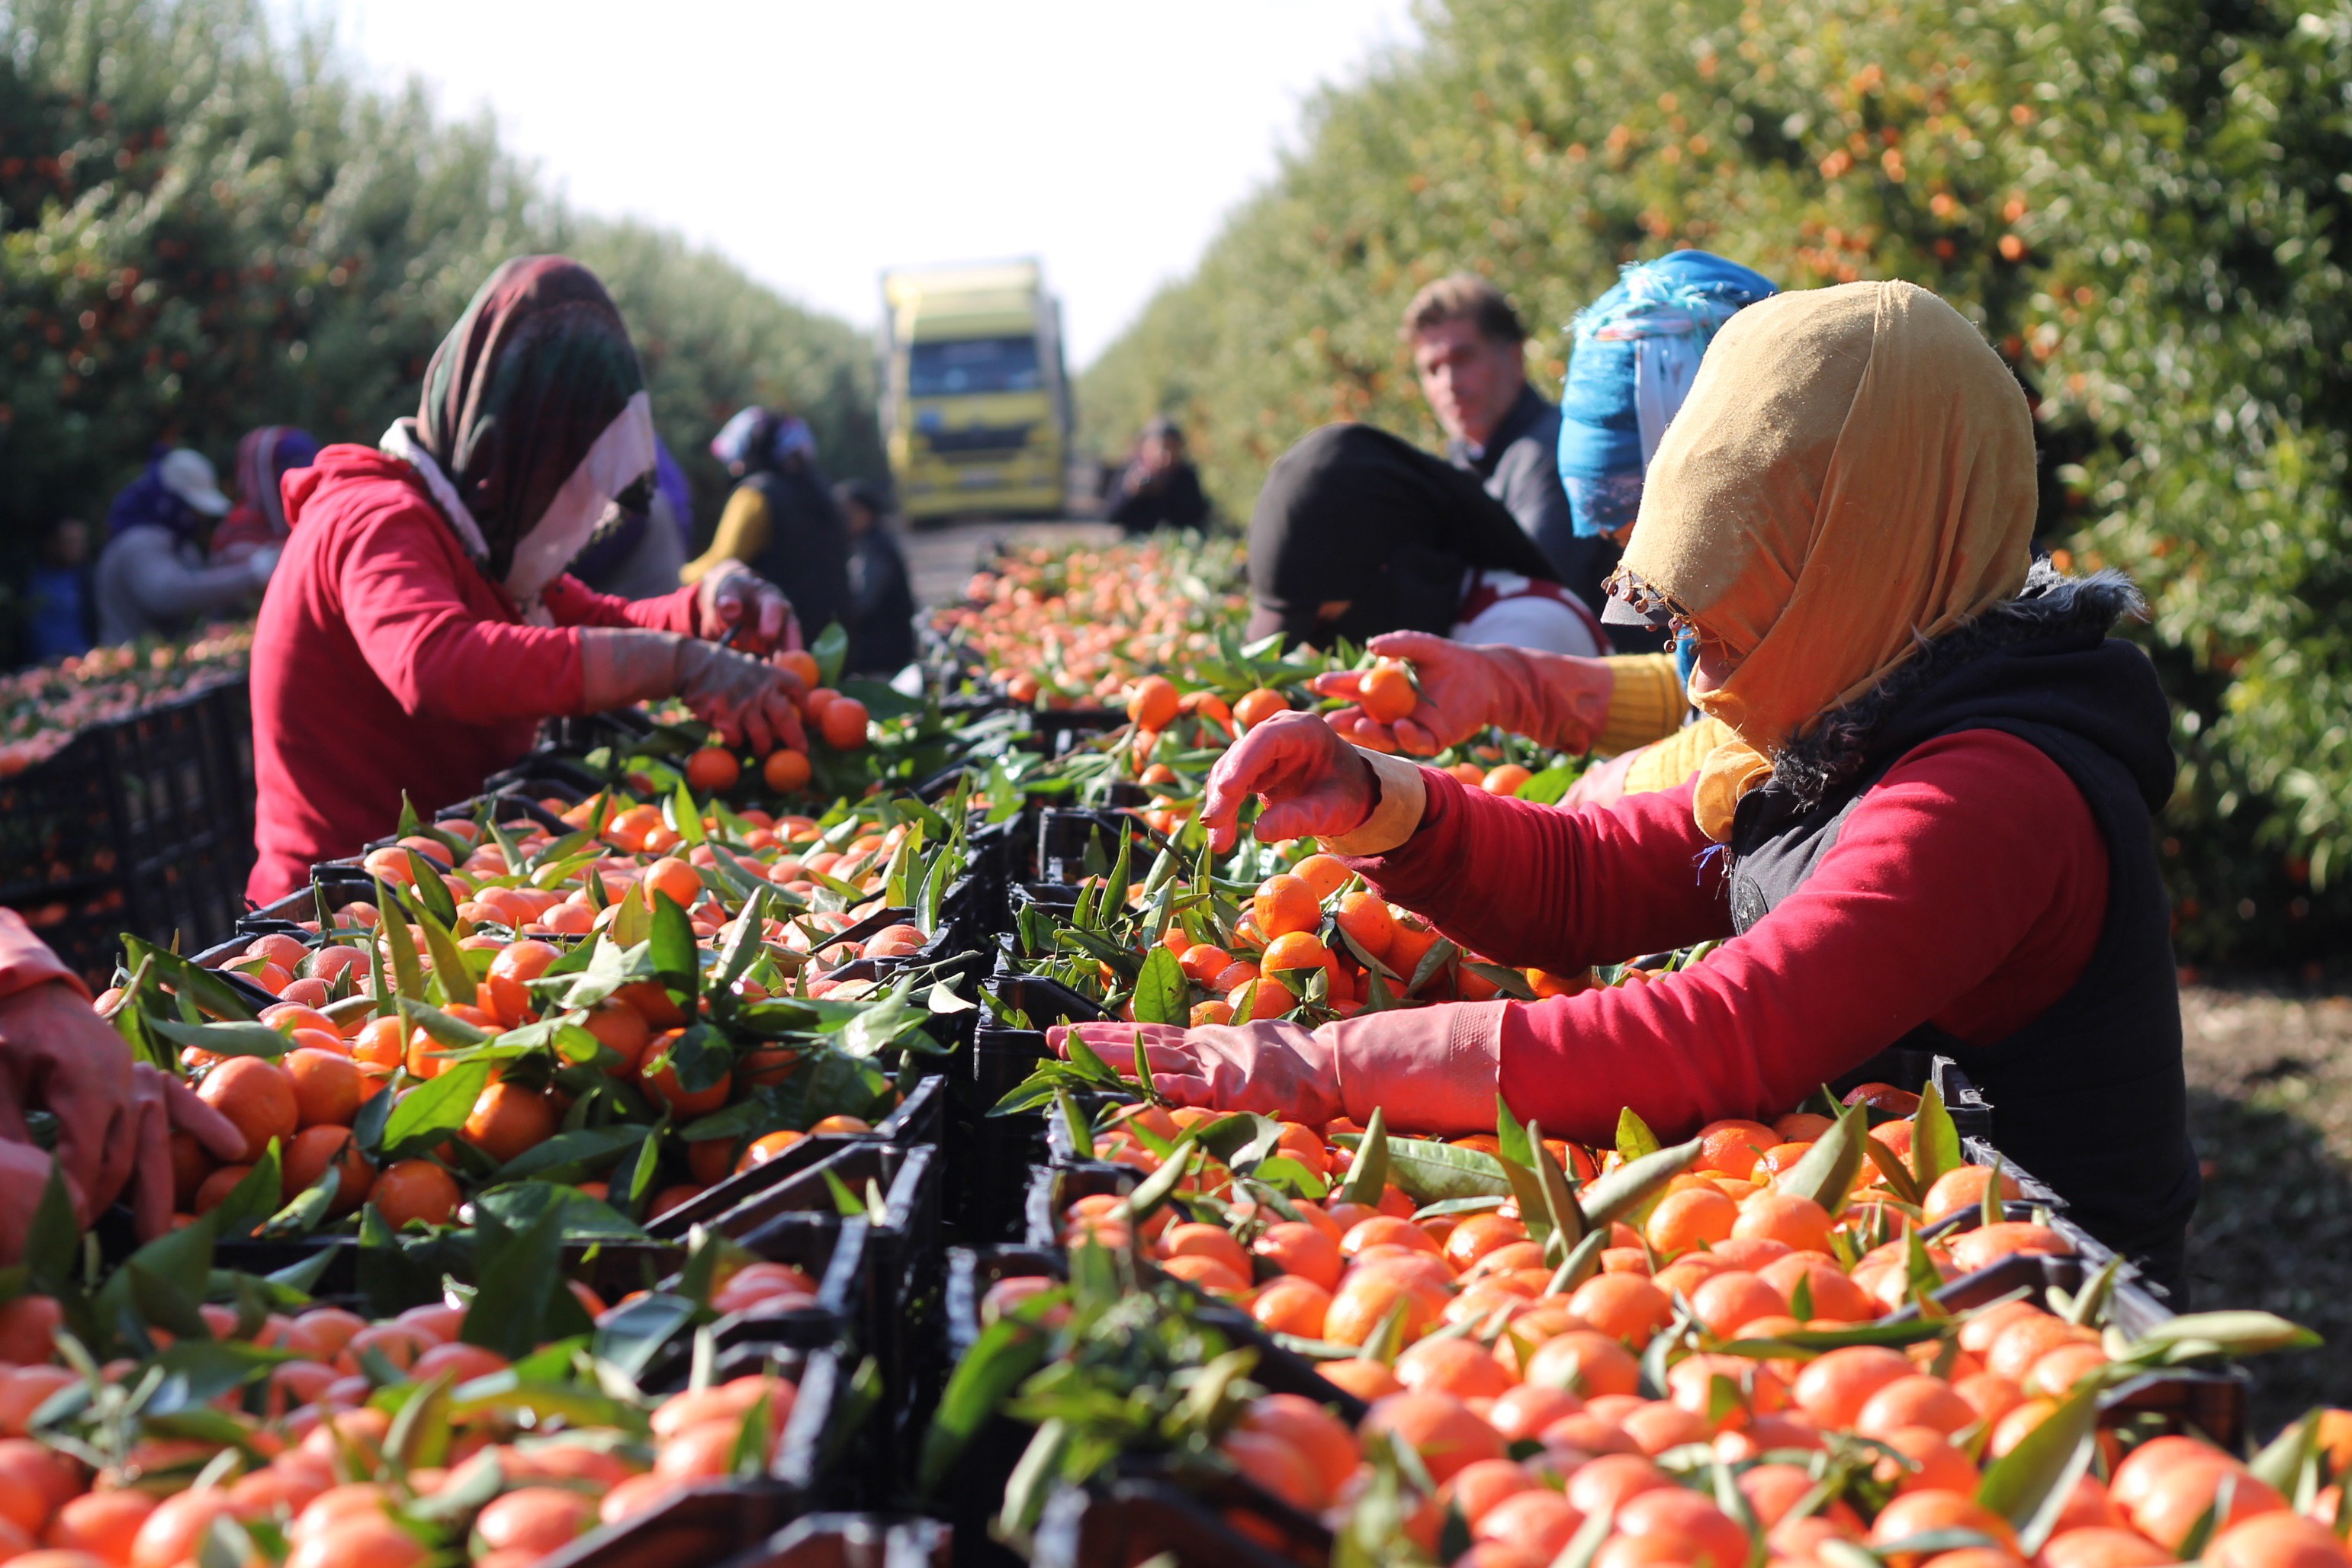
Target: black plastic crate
column 902, row 1248
column 788, row 1519
column 141, row 824
column 1137, row 1505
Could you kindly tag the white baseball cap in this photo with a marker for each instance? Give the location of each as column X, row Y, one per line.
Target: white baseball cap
column 188, row 475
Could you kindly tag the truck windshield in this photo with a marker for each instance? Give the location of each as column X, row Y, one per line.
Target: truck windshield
column 972, row 364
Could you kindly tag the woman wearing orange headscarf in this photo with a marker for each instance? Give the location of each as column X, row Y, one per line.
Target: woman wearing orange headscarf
column 1932, row 826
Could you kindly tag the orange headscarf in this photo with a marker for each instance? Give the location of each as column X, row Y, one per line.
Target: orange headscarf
column 1853, row 473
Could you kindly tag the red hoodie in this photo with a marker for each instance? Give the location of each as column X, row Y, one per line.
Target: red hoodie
column 384, row 661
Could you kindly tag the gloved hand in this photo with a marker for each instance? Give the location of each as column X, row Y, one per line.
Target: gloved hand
column 750, row 700
column 114, row 1118
column 1431, row 1069
column 261, row 563
column 1271, row 1068
column 732, row 595
column 1557, row 700
column 1313, row 782
column 1603, row 786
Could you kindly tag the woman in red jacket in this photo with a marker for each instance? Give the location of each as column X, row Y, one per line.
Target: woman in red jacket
column 1933, row 827
column 420, row 625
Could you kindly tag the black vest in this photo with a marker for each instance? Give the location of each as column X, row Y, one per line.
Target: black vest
column 2089, row 1095
column 807, row 552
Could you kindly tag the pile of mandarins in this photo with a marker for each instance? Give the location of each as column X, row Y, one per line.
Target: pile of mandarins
column 1525, row 1406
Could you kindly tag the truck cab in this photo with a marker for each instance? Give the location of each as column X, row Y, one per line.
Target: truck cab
column 975, row 406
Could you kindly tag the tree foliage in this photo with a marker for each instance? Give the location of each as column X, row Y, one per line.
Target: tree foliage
column 2140, row 204
column 205, row 226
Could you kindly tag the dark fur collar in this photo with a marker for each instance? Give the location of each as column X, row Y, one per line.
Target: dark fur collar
column 2051, row 604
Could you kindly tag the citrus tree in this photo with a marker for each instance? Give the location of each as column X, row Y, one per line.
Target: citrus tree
column 207, row 226
column 2139, row 206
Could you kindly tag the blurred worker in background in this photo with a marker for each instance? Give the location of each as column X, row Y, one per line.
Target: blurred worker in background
column 257, row 521
column 424, row 625
column 1159, row 488
column 1357, row 532
column 1637, row 351
column 639, row 546
column 115, row 1117
column 1469, row 349
column 881, row 623
column 780, row 520
column 58, row 620
column 153, row 579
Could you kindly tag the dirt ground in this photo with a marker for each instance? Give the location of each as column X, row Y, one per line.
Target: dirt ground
column 2270, row 1105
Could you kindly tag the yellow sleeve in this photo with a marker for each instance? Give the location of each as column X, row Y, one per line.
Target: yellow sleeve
column 1676, row 758
column 743, row 534
column 1646, row 704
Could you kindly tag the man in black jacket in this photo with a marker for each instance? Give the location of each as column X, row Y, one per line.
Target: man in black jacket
column 1159, row 488
column 1469, row 348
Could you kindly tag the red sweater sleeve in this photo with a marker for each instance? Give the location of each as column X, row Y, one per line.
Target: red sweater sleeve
column 1535, row 887
column 1966, row 888
column 26, row 960
column 574, row 604
column 438, row 654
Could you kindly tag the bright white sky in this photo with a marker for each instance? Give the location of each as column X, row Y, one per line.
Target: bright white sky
column 817, row 143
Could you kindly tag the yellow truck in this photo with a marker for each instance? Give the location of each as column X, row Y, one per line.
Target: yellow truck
column 975, row 406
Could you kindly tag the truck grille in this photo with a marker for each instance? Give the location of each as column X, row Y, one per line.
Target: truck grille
column 978, row 441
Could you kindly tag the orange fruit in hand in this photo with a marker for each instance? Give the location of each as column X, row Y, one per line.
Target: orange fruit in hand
column 257, row 1096
column 507, row 1119
column 803, row 663
column 1257, row 705
column 713, row 771
column 1154, row 703
column 785, row 771
column 1387, row 692
column 843, row 724
column 1285, row 903
column 415, row 1189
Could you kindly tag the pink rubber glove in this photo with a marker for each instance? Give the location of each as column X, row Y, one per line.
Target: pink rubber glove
column 1556, row 699
column 1431, row 1069
column 1603, row 786
column 114, row 1118
column 733, row 595
column 1313, row 783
